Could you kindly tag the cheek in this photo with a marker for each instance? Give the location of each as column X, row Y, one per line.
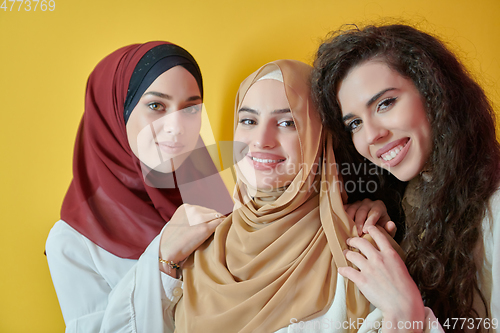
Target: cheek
column 132, row 133
column 421, row 128
column 239, row 135
column 292, row 149
column 426, row 138
column 193, row 127
column 136, row 133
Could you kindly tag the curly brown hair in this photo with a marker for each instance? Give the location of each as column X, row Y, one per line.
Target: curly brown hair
column 443, row 233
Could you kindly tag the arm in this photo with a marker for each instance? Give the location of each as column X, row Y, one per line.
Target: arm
column 143, row 301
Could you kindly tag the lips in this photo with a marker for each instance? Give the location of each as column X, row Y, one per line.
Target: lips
column 394, row 152
column 171, row 147
column 262, row 161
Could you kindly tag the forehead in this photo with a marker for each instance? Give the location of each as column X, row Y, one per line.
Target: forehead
column 365, row 80
column 177, row 79
column 266, row 95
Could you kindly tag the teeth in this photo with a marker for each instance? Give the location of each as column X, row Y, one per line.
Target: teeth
column 392, row 153
column 265, row 160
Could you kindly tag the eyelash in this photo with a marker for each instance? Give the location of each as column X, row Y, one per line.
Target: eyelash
column 290, row 123
column 386, row 104
column 246, row 121
column 151, row 106
column 349, row 128
column 191, row 110
column 249, row 122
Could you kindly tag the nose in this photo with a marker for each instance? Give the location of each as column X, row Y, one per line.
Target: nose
column 374, row 131
column 173, row 123
column 266, row 137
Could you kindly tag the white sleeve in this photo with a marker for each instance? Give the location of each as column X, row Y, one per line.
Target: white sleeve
column 99, row 292
column 144, row 300
column 492, row 249
column 82, row 289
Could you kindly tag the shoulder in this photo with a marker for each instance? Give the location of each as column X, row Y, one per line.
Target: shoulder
column 66, row 242
column 62, row 235
column 67, row 249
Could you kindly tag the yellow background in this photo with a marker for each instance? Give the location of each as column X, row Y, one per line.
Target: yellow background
column 46, row 57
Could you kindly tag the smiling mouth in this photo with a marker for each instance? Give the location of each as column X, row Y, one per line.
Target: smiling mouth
column 261, row 160
column 394, row 151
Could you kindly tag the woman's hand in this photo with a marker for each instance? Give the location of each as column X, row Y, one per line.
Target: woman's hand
column 367, row 213
column 188, row 228
column 384, row 280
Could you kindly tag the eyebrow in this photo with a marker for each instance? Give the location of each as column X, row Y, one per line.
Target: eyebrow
column 165, row 96
column 369, row 103
column 277, row 111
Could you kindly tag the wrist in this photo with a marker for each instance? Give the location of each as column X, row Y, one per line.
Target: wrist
column 169, row 267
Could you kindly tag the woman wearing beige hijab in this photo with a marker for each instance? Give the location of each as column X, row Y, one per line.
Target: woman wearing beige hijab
column 273, row 262
column 270, row 266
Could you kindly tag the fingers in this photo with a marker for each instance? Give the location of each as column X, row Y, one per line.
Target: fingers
column 380, row 239
column 352, row 274
column 367, row 213
column 177, row 243
column 363, row 215
column 391, row 228
column 198, row 214
column 351, row 209
column 380, row 207
column 358, row 212
column 214, row 223
column 371, row 220
column 364, row 246
column 356, row 258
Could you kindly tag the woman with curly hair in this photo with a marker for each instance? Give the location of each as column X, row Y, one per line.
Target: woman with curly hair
column 407, row 104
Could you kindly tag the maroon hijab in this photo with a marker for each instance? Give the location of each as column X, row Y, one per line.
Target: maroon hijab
column 108, row 200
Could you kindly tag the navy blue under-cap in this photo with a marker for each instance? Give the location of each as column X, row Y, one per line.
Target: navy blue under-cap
column 155, row 62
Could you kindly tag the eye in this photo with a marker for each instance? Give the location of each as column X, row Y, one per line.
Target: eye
column 353, row 125
column 155, row 106
column 386, row 104
column 287, row 124
column 193, row 109
column 247, row 121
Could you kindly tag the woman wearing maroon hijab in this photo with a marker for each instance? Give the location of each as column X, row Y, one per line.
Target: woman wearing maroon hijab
column 136, row 161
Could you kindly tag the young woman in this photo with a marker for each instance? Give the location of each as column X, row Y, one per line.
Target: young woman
column 272, row 265
column 141, row 123
column 410, row 107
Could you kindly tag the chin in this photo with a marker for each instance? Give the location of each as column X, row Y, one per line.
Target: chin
column 165, row 167
column 405, row 175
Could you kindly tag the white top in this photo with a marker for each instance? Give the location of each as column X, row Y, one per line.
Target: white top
column 489, row 277
column 100, row 292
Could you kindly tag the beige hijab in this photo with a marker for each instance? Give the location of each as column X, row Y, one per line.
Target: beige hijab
column 276, row 256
